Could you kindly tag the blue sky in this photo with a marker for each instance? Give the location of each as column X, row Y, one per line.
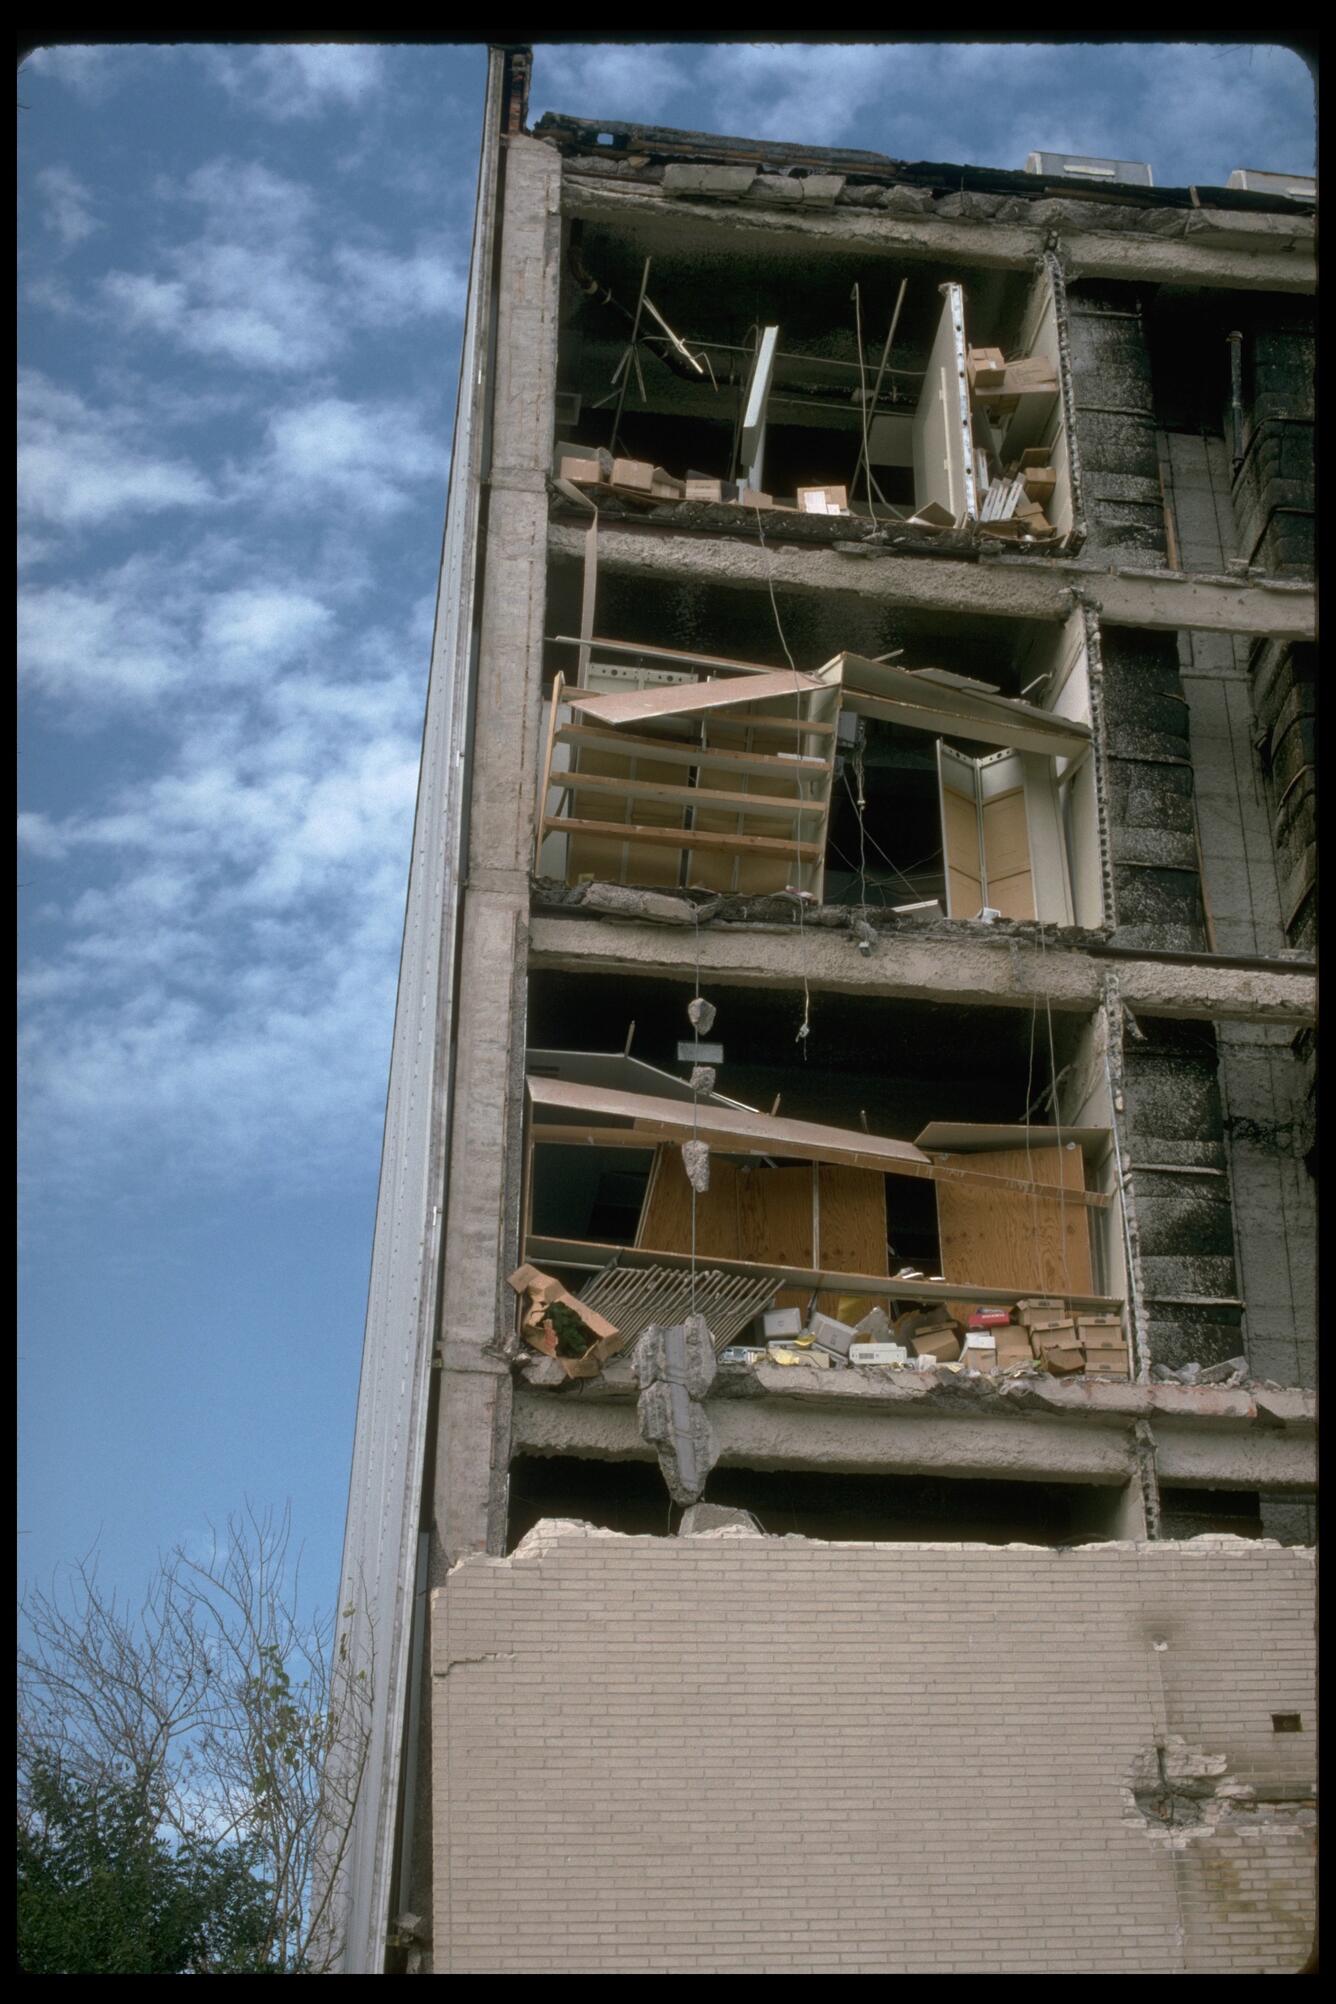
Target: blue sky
column 241, row 287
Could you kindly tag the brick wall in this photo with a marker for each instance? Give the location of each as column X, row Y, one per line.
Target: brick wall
column 729, row 1753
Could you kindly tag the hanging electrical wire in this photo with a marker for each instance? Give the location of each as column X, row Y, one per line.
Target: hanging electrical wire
column 805, row 1027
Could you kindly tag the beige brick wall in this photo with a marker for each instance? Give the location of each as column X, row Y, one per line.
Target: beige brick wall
column 770, row 1755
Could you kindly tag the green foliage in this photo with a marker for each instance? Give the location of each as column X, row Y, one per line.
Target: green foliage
column 573, row 1335
column 100, row 1893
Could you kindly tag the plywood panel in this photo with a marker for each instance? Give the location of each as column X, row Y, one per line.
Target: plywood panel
column 603, row 857
column 1006, row 847
column 964, row 878
column 1038, row 1245
column 665, row 1222
column 852, row 1233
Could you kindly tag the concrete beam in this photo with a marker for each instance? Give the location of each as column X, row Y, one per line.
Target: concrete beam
column 1191, row 1457
column 1011, row 588
column 1206, row 257
column 900, row 1423
column 910, row 967
column 780, row 1433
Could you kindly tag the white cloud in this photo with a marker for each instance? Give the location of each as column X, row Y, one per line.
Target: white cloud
column 384, row 288
column 97, row 644
column 65, row 205
column 256, row 631
column 299, row 80
column 371, row 454
column 224, row 990
column 254, row 285
column 92, row 70
column 80, row 467
column 630, row 81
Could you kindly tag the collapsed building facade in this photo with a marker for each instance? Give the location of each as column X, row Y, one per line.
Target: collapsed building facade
column 834, row 1471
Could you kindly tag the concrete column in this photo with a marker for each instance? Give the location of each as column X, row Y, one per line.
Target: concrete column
column 482, row 1211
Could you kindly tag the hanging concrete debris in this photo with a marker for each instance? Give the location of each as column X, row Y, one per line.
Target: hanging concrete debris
column 674, row 1367
column 696, row 1162
column 701, row 1014
column 702, row 1078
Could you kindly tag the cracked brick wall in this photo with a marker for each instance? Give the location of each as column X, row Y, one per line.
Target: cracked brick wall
column 727, row 1753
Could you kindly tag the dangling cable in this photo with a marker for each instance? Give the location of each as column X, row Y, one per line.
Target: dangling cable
column 805, row 1027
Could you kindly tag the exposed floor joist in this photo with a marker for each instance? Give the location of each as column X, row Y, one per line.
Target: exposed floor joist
column 938, row 968
column 1019, row 588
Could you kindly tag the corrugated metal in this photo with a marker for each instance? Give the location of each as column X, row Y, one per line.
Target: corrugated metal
column 384, row 1499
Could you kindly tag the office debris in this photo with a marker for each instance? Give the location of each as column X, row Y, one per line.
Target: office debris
column 563, row 1327
column 635, row 1296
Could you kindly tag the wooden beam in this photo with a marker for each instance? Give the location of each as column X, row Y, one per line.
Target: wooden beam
column 684, row 838
column 665, row 752
column 548, row 1252
column 687, row 796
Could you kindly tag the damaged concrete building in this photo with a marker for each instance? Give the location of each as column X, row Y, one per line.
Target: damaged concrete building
column 833, row 1486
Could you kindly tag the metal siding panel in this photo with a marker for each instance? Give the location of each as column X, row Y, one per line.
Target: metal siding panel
column 384, row 1498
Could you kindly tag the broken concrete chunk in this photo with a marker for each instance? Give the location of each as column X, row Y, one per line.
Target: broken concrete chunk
column 703, row 1517
column 702, row 1078
column 696, row 1162
column 620, row 901
column 677, row 1353
column 680, row 1431
column 1220, row 1374
column 701, row 1014
column 776, row 188
column 543, row 1371
column 716, row 183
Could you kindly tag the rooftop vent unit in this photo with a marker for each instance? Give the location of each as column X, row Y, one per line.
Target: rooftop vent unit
column 1303, row 187
column 1083, row 167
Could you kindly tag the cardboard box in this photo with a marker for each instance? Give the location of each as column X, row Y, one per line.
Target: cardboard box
column 1039, row 484
column 752, row 497
column 987, row 368
column 1034, row 1308
column 990, row 1318
column 1063, row 1355
column 1013, row 1347
column 1030, row 372
column 699, row 488
column 646, row 479
column 1052, row 1325
column 980, row 1353
column 823, row 500
column 932, row 515
column 1098, row 1322
column 591, row 467
column 941, row 1344
column 543, row 1292
column 1106, row 1363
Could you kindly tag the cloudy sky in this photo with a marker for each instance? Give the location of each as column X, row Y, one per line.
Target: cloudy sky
column 242, row 279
